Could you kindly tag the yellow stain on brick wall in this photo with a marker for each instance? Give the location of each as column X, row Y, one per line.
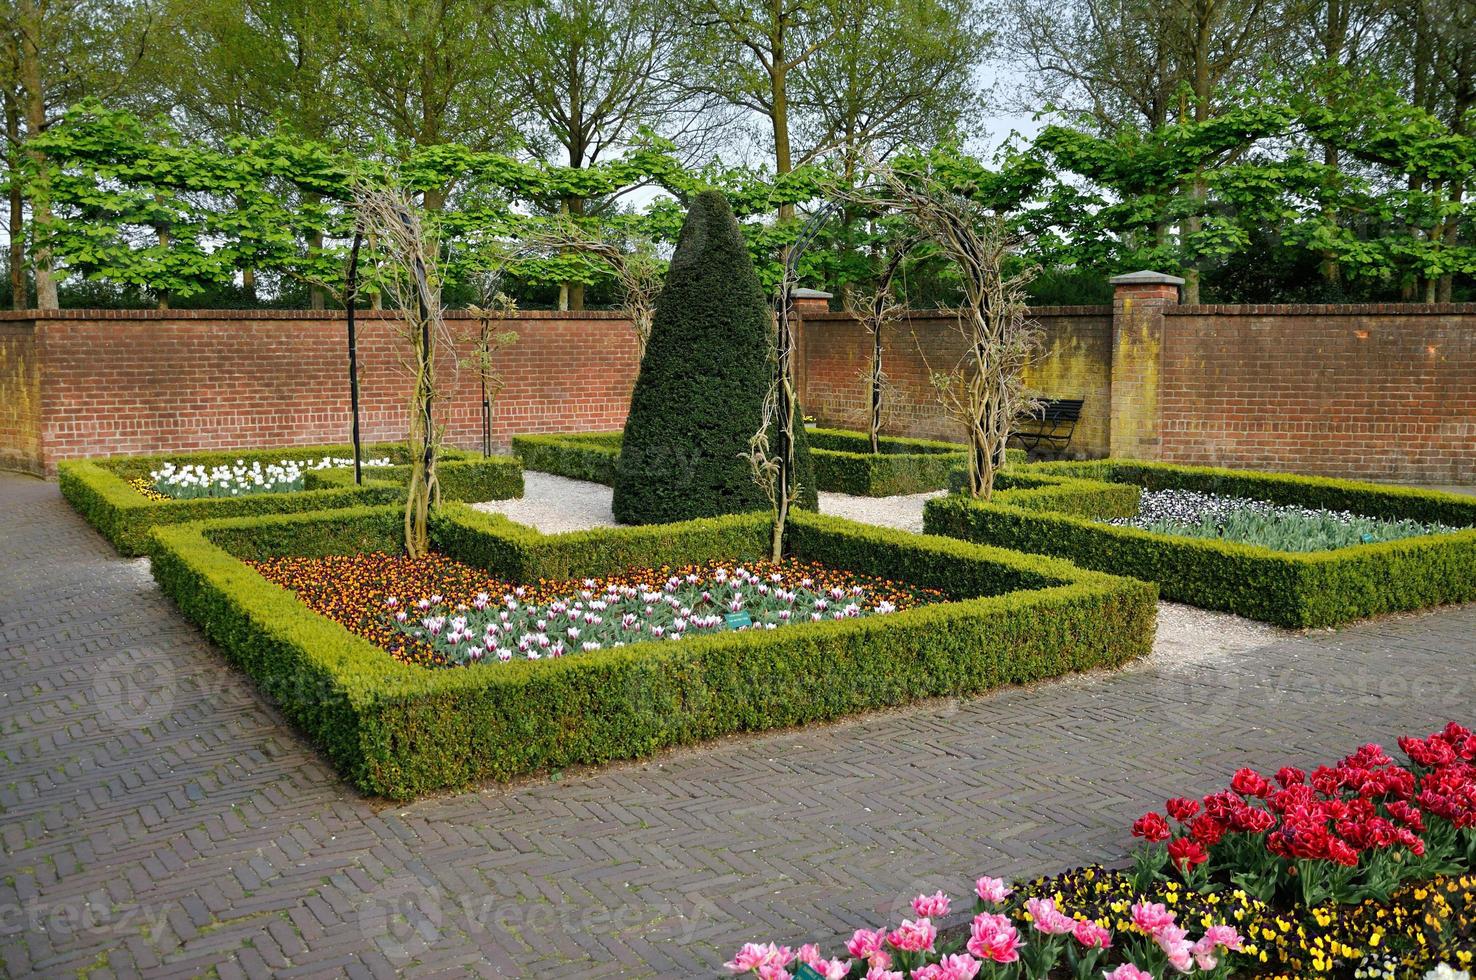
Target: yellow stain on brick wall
column 1071, row 366
column 1135, row 380
column 20, row 409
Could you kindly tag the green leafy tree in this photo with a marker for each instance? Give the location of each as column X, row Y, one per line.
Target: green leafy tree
column 57, row 51
column 589, row 75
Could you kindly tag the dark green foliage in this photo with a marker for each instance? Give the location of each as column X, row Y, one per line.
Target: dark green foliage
column 98, row 488
column 842, row 460
column 844, row 463
column 699, row 397
column 401, row 731
column 1290, row 589
column 579, row 456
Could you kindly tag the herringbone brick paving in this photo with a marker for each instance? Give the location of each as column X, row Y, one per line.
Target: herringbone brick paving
column 160, row 818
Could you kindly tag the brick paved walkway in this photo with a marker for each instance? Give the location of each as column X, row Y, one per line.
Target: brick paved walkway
column 159, row 817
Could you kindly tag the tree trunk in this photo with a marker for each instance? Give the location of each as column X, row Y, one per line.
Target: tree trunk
column 248, row 284
column 17, row 223
column 29, row 20
column 779, row 104
column 575, row 290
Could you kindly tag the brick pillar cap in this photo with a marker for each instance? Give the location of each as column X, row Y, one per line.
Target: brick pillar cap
column 1146, row 278
column 801, row 292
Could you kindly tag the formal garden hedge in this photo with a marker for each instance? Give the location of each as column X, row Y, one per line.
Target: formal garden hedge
column 844, row 463
column 399, row 730
column 843, row 460
column 1060, row 513
column 99, row 488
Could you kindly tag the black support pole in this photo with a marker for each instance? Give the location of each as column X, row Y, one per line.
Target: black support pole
column 350, row 301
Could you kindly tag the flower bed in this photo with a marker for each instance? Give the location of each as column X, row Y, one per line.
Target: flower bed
column 191, row 481
column 1062, row 514
column 400, row 730
column 843, row 460
column 116, row 494
column 1362, row 869
column 1280, row 527
column 453, row 615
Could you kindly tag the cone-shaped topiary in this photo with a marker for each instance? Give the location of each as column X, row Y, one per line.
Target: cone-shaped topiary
column 699, row 398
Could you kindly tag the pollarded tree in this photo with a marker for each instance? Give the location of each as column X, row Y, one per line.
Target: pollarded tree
column 706, row 373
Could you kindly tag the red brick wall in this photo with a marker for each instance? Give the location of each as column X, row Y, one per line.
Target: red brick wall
column 20, row 397
column 135, row 382
column 1076, row 363
column 1384, row 392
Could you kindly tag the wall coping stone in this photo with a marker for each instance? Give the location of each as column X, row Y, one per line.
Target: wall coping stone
column 79, row 314
column 1145, row 277
column 1325, row 309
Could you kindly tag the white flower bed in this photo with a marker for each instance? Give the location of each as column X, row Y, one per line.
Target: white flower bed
column 1282, row 527
column 190, row 480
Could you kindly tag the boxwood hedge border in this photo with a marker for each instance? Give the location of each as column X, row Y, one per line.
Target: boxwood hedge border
column 401, row 731
column 99, row 490
column 843, row 460
column 1312, row 589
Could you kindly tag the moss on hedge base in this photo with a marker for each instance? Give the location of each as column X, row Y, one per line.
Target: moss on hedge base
column 98, row 488
column 401, row 731
column 1060, row 517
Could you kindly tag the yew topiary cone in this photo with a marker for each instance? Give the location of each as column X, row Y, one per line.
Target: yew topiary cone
column 700, row 394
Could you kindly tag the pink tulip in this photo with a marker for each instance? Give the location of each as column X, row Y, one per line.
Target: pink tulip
column 931, row 906
column 1174, row 942
column 913, row 936
column 1128, row 972
column 1151, row 917
column 882, row 973
column 992, row 890
column 994, row 937
column 755, row 956
column 1047, row 918
column 1091, row 935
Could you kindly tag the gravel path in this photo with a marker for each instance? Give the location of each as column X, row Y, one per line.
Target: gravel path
column 554, row 504
column 905, row 511
column 1187, row 636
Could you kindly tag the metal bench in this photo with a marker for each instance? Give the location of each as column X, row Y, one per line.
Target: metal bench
column 1051, row 425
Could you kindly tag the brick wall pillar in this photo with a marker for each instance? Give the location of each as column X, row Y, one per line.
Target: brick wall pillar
column 1138, row 302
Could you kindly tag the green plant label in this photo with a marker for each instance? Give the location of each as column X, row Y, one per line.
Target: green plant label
column 736, row 621
column 805, row 971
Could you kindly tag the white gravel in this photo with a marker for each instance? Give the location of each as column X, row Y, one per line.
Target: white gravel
column 1187, row 636
column 904, row 511
column 554, row 503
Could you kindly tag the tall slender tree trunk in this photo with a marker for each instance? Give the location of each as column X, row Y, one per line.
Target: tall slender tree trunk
column 162, row 230
column 1334, row 44
column 1198, row 189
column 29, row 20
column 779, row 103
column 19, row 297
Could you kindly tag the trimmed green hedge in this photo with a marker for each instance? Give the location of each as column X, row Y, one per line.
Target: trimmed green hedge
column 1290, row 589
column 579, row 456
column 844, row 463
column 843, row 460
column 99, row 490
column 400, row 731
